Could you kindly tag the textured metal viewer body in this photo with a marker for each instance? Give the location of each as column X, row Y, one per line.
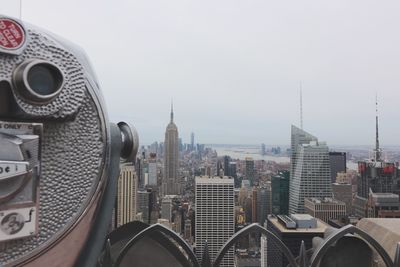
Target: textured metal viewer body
column 78, row 153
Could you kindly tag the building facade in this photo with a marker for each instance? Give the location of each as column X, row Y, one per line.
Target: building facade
column 379, row 176
column 344, row 192
column 263, row 203
column 263, row 150
column 152, row 169
column 263, row 251
column 215, row 215
column 192, row 147
column 254, row 205
column 171, row 184
column 383, row 205
column 337, row 161
column 250, row 171
column 144, row 204
column 305, row 229
column 126, row 202
column 227, row 172
column 310, row 170
column 280, row 193
column 375, row 175
column 343, row 178
column 167, row 207
column 325, row 209
column 297, row 138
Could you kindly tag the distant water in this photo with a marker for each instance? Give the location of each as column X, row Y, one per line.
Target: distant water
column 242, row 152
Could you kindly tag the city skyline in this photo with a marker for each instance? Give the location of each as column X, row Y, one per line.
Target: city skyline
column 75, row 181
column 234, row 69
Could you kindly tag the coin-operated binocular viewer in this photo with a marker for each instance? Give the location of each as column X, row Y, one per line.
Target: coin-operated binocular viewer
column 59, row 154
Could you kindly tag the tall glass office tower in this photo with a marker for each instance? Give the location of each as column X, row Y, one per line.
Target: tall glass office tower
column 310, row 170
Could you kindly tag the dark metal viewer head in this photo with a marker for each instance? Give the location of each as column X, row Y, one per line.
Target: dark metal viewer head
column 59, row 154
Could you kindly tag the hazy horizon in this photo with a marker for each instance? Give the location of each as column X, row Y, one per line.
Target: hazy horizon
column 269, row 146
column 233, row 68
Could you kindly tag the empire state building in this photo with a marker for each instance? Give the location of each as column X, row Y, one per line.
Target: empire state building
column 171, row 184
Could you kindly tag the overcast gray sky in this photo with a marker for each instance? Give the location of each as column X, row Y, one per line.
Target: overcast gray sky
column 233, row 67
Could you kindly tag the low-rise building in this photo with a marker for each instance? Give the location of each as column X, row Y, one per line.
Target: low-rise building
column 325, row 208
column 383, row 205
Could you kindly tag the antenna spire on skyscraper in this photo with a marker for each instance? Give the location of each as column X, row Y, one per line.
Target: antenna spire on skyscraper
column 377, row 149
column 301, row 106
column 172, row 110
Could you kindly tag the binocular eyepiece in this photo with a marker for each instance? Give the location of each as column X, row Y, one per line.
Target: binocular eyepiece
column 38, row 81
column 59, row 154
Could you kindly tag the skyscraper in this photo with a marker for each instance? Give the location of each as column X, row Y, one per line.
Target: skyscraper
column 143, row 204
column 152, row 167
column 254, row 205
column 310, row 174
column 215, row 215
column 227, row 172
column 250, row 172
column 263, row 202
column 166, row 207
column 220, row 170
column 298, row 137
column 263, row 249
column 233, row 173
column 126, row 204
column 378, row 175
column 192, row 148
column 171, row 183
column 139, row 169
column 263, row 149
column 375, row 175
column 280, row 193
column 338, row 164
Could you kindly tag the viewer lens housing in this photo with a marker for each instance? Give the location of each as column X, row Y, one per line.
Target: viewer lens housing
column 38, row 81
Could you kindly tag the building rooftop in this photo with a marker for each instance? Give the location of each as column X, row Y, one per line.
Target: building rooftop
column 385, row 198
column 214, row 180
column 287, row 221
column 341, row 183
column 385, row 195
column 170, row 196
column 299, row 216
column 321, row 226
column 326, row 200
